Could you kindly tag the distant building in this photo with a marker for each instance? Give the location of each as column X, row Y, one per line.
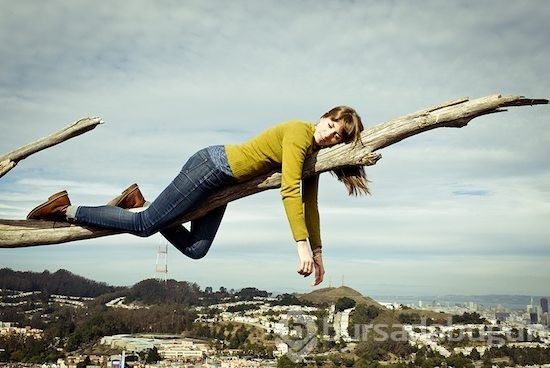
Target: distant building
column 544, row 305
column 281, row 349
column 170, row 347
column 9, row 329
column 239, row 363
column 183, row 351
column 502, row 316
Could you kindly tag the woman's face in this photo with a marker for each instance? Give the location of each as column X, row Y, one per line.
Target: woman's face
column 328, row 132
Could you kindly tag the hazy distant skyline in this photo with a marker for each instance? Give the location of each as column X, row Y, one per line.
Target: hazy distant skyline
column 461, row 211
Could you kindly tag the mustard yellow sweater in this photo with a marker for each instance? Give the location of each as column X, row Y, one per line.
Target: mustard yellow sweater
column 284, row 146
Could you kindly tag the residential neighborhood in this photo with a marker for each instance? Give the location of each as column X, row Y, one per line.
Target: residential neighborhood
column 253, row 328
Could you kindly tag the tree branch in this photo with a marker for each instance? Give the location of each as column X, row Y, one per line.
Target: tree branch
column 10, row 159
column 457, row 113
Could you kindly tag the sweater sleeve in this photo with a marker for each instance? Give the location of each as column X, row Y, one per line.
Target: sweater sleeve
column 310, row 188
column 294, row 149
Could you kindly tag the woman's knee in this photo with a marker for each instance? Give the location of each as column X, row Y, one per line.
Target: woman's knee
column 145, row 231
column 143, row 227
column 198, row 250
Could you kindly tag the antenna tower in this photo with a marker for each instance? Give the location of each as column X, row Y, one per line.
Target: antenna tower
column 161, row 266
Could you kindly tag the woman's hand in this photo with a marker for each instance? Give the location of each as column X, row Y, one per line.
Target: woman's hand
column 306, row 260
column 319, row 268
column 308, row 263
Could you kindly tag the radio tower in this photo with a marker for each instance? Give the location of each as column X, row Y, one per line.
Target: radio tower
column 161, row 267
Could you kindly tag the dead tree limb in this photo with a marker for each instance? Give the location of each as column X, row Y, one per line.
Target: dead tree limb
column 457, row 114
column 10, row 159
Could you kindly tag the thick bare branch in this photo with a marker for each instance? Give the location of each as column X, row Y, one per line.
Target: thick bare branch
column 10, row 159
column 457, row 113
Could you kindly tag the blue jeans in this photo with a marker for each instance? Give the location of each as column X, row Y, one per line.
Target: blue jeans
column 199, row 177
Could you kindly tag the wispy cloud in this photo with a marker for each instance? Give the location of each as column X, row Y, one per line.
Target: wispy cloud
column 471, row 192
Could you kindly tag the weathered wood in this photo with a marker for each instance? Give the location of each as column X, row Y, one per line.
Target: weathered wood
column 457, row 114
column 10, row 159
column 26, row 233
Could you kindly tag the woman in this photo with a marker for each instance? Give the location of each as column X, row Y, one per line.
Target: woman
column 283, row 146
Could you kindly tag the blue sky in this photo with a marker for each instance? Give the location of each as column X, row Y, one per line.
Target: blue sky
column 452, row 211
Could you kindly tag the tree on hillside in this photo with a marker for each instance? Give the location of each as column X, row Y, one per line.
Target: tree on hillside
column 86, row 362
column 291, row 299
column 344, row 303
column 152, row 291
column 152, row 355
column 469, row 318
column 285, row 362
column 361, row 316
column 249, row 293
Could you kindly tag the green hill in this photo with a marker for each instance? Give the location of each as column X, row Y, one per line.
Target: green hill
column 331, row 294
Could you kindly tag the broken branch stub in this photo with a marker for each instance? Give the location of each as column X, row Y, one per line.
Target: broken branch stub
column 9, row 160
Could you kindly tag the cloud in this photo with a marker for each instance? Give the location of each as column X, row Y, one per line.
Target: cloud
column 471, row 192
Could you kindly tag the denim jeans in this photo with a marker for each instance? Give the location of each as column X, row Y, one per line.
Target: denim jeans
column 199, row 177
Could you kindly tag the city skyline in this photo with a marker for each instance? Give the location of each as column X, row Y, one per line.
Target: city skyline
column 451, row 209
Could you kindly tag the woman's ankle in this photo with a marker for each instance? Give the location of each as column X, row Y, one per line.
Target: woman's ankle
column 70, row 212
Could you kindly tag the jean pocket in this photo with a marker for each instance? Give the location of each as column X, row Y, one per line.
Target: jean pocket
column 196, row 161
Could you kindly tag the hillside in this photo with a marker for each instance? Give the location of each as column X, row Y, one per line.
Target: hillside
column 60, row 282
column 145, row 292
column 331, row 294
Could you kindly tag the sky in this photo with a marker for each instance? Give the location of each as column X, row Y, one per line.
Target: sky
column 452, row 211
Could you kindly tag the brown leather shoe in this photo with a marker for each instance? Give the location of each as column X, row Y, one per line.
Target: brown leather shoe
column 131, row 197
column 53, row 209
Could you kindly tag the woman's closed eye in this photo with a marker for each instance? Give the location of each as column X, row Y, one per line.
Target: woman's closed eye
column 335, row 133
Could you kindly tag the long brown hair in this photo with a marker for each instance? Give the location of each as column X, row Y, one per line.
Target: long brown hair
column 353, row 177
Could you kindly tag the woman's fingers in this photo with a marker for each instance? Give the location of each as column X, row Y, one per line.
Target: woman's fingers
column 306, row 261
column 306, row 268
column 319, row 268
column 318, row 278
